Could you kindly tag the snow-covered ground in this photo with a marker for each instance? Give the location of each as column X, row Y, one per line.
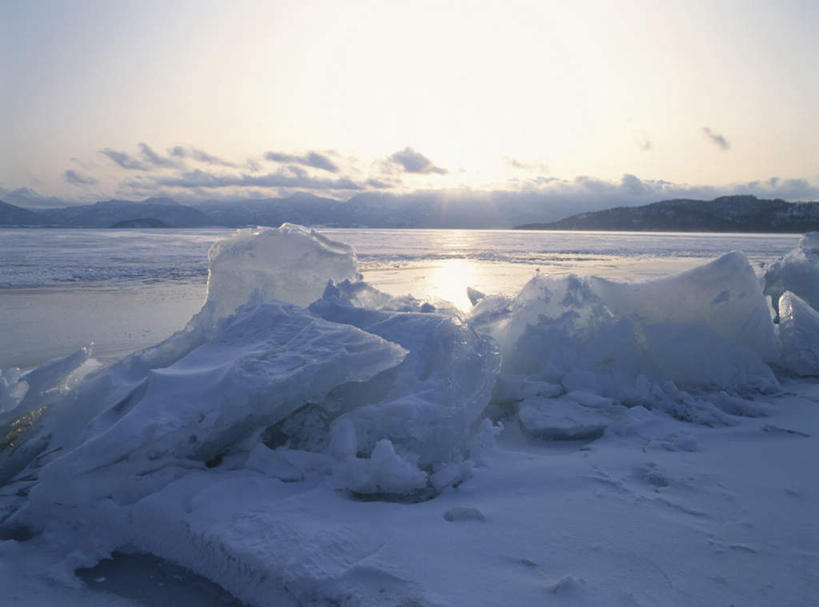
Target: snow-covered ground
column 309, row 439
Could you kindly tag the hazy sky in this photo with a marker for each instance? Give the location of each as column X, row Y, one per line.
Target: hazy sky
column 213, row 99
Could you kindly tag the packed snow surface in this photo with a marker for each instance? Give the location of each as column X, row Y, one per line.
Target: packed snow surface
column 310, row 440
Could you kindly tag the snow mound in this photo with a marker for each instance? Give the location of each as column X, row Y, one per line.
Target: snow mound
column 798, row 335
column 383, row 472
column 797, row 272
column 462, row 513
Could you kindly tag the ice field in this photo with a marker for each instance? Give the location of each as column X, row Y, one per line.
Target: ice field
column 635, row 423
column 61, row 289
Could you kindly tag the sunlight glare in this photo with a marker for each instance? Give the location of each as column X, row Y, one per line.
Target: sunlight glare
column 450, row 279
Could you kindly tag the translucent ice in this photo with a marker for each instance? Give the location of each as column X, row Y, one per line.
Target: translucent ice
column 723, row 295
column 291, row 263
column 798, row 335
column 234, row 446
column 263, row 364
column 705, row 328
column 797, row 272
column 28, row 390
column 429, row 405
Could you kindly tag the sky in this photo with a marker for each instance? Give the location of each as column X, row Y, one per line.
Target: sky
column 203, row 99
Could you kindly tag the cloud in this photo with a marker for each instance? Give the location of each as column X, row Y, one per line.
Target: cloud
column 632, row 184
column 32, row 199
column 414, row 162
column 716, row 138
column 311, row 159
column 538, row 167
column 288, row 177
column 74, row 178
column 380, row 184
column 199, row 156
column 126, row 161
column 156, row 159
column 631, row 190
column 531, row 197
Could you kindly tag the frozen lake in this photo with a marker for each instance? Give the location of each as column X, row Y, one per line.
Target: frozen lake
column 126, row 289
column 585, row 442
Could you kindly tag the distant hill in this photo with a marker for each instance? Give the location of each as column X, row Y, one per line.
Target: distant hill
column 142, row 222
column 724, row 214
column 107, row 213
column 11, row 215
column 305, row 209
column 484, row 210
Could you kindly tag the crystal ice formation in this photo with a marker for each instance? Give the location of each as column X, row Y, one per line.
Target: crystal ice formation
column 797, row 272
column 723, row 295
column 798, row 335
column 639, row 343
column 291, row 263
column 264, row 363
column 428, row 405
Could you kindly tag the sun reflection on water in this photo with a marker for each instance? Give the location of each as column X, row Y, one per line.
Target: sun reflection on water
column 449, row 279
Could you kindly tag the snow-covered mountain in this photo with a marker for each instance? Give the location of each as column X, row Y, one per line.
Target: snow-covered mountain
column 724, row 214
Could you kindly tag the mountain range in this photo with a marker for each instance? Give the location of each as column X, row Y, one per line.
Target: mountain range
column 429, row 210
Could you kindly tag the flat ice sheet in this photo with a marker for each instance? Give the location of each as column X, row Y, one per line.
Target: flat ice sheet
column 38, row 324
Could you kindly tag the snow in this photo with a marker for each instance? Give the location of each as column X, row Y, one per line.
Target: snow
column 308, row 439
